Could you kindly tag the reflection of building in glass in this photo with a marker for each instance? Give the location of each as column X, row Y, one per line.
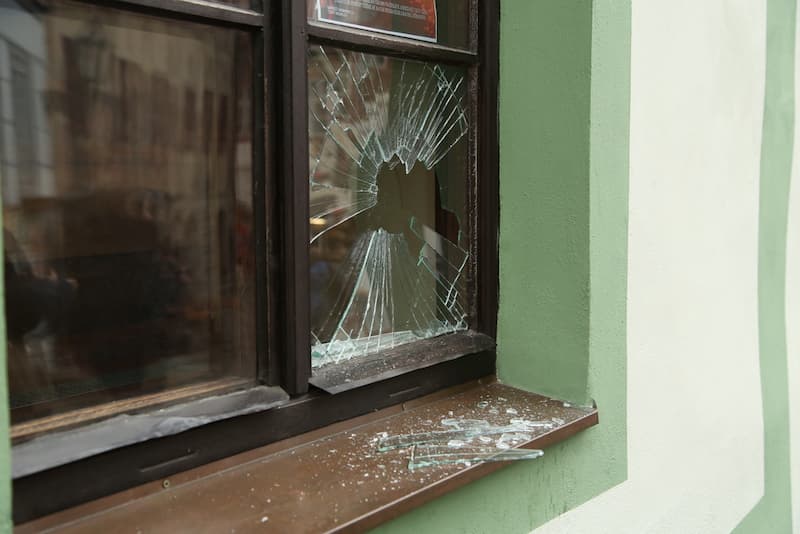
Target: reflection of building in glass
column 25, row 149
column 125, row 153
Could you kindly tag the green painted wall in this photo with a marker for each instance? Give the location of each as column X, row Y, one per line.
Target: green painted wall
column 545, row 99
column 773, row 513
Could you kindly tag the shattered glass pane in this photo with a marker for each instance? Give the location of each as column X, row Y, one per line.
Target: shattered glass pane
column 388, row 168
column 433, row 455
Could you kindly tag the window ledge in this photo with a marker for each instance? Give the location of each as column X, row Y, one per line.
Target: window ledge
column 357, row 372
column 331, row 480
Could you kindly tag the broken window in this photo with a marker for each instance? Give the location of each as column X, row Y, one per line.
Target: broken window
column 388, row 160
column 184, row 134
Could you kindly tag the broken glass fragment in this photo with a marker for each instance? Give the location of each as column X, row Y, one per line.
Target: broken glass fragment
column 462, row 430
column 387, row 192
column 409, row 440
column 511, row 439
column 434, row 455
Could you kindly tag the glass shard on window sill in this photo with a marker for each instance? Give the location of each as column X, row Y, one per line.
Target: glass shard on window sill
column 467, row 441
column 463, row 430
column 435, row 455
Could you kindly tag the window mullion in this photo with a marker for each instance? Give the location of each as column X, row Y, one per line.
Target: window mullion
column 293, row 209
column 488, row 167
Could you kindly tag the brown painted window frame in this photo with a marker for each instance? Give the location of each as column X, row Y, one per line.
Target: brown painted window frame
column 281, row 35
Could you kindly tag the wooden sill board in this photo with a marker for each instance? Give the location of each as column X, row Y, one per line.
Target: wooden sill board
column 336, row 483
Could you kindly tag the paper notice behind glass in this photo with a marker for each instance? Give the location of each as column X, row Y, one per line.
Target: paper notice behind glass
column 404, row 18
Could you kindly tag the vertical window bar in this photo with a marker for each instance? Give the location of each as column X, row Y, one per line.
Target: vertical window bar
column 475, row 12
column 271, row 55
column 293, row 179
column 488, row 166
column 473, row 199
column 263, row 356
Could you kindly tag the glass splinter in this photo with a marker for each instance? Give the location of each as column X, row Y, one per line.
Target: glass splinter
column 434, row 455
column 408, row 440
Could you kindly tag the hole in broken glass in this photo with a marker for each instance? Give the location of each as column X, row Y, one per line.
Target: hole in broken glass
column 389, row 267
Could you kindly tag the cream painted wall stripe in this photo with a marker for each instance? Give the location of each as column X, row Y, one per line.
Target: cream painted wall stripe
column 697, row 96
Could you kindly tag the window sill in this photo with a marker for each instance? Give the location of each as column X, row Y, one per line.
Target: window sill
column 386, row 364
column 330, row 480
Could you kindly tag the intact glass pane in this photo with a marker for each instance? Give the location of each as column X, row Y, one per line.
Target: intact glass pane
column 446, row 22
column 125, row 157
column 389, row 166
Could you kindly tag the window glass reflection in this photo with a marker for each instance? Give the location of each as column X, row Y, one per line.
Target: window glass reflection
column 125, row 159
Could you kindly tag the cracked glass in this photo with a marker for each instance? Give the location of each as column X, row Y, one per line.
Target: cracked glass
column 389, row 249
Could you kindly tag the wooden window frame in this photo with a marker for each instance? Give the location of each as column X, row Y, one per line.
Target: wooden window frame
column 281, row 35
